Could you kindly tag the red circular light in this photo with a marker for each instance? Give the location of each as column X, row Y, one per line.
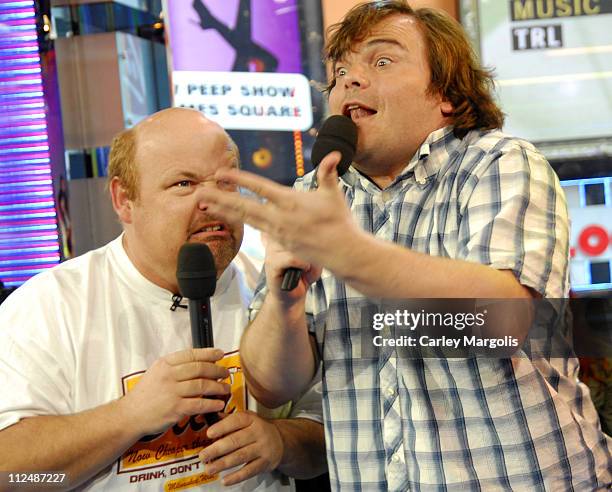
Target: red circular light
column 599, row 234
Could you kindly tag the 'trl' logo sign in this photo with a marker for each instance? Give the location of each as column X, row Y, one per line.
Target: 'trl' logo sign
column 593, row 240
column 537, row 37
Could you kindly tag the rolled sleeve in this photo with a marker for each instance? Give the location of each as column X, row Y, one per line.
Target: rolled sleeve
column 514, row 217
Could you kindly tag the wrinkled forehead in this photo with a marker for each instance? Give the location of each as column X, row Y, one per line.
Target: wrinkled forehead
column 395, row 27
column 197, row 148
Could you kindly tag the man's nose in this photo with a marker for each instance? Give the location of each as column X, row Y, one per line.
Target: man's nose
column 201, row 199
column 356, row 78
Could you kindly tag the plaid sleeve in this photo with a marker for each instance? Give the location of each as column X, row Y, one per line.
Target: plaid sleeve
column 260, row 294
column 514, row 217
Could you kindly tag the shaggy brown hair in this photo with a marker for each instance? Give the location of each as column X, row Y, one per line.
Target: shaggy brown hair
column 456, row 75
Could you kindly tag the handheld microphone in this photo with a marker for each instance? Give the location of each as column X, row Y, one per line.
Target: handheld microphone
column 197, row 278
column 337, row 133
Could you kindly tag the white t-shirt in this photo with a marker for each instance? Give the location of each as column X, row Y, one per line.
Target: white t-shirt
column 81, row 334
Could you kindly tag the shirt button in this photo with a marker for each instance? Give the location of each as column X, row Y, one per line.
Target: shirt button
column 396, row 458
column 390, row 391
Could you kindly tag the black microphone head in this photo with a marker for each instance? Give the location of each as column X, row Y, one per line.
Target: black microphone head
column 337, row 133
column 196, row 272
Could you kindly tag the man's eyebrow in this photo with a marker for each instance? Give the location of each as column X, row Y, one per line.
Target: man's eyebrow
column 177, row 173
column 371, row 44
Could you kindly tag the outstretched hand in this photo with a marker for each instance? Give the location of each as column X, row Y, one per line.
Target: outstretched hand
column 315, row 226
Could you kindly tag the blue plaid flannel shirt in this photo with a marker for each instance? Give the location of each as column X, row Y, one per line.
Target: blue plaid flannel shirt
column 457, row 424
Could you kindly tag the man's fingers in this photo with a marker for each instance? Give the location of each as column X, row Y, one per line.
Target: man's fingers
column 194, row 370
column 238, row 457
column 327, row 172
column 283, row 260
column 312, row 274
column 259, row 185
column 249, row 470
column 232, row 423
column 233, row 208
column 226, row 445
column 200, row 387
column 194, row 355
column 197, row 406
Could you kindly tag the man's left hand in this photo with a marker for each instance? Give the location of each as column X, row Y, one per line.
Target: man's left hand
column 242, row 438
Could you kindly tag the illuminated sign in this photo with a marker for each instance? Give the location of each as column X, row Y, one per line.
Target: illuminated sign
column 593, row 240
column 247, row 101
column 537, row 37
column 28, row 227
column 546, row 9
column 239, row 62
column 590, row 234
column 552, row 65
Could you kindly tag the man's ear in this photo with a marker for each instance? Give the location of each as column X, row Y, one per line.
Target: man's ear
column 121, row 203
column 446, row 108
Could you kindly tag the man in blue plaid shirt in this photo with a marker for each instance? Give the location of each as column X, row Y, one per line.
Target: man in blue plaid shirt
column 438, row 203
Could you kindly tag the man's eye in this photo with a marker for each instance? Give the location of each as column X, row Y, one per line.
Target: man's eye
column 381, row 62
column 185, row 183
column 340, row 72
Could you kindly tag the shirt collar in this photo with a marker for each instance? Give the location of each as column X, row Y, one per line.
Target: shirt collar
column 432, row 153
column 145, row 287
column 224, row 281
column 425, row 163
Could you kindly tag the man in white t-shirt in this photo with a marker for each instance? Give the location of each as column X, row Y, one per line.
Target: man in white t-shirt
column 98, row 378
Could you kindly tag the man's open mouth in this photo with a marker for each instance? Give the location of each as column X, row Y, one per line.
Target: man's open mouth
column 212, row 229
column 357, row 111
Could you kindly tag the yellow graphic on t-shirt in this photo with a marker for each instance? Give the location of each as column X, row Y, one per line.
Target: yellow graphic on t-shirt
column 189, row 482
column 186, row 438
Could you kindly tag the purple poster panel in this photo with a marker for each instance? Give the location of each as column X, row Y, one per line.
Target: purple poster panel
column 234, row 35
